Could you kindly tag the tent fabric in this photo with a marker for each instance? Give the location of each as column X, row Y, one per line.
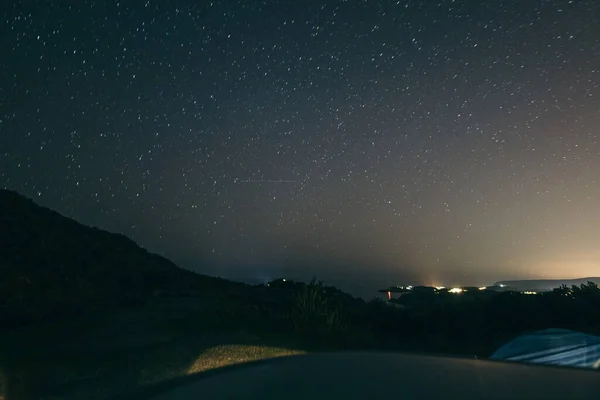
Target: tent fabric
column 553, row 346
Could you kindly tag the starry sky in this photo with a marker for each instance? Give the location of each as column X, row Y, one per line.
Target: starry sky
column 366, row 142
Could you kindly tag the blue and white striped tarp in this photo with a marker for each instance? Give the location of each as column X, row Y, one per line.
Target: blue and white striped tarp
column 553, row 346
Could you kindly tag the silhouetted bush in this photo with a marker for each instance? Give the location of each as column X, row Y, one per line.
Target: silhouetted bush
column 315, row 314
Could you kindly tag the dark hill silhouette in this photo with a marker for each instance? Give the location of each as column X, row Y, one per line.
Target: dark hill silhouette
column 53, row 266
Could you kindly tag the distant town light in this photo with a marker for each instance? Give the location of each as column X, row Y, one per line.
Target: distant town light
column 529, row 292
column 440, row 287
column 502, row 285
column 483, row 288
column 455, row 290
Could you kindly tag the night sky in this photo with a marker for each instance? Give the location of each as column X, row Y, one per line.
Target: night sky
column 367, row 142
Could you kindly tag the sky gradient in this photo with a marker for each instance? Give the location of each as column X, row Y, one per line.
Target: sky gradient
column 367, row 142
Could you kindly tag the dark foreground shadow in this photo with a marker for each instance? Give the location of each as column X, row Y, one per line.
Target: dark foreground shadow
column 122, row 373
column 163, row 387
column 104, row 374
column 119, row 354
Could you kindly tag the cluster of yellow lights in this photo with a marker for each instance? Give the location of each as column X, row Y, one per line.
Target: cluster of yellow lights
column 452, row 290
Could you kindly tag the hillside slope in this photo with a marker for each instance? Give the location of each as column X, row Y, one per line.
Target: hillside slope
column 52, row 266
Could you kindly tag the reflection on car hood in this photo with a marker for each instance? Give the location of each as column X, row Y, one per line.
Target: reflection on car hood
column 553, row 346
